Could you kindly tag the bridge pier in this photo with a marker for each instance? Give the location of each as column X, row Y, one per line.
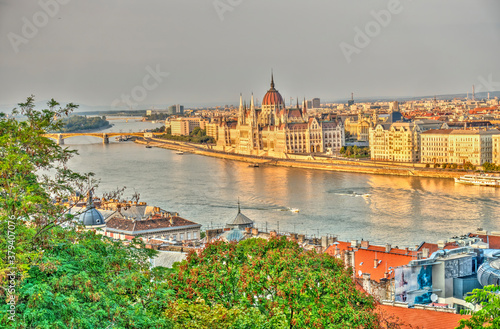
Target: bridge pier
column 60, row 139
column 105, row 139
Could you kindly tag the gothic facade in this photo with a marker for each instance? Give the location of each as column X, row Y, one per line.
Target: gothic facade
column 275, row 130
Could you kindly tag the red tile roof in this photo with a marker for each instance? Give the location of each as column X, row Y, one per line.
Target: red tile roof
column 137, row 226
column 365, row 257
column 424, row 319
column 494, row 240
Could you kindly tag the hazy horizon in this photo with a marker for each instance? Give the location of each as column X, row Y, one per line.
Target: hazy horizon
column 131, row 53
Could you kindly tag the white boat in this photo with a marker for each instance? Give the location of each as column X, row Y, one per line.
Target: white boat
column 479, row 180
column 179, row 152
column 294, row 209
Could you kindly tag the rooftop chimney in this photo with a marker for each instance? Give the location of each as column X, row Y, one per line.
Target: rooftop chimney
column 440, row 244
column 365, row 244
column 388, row 248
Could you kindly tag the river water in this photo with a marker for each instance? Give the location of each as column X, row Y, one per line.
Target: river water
column 403, row 211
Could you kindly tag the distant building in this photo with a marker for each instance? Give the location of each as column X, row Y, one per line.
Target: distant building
column 184, row 126
column 315, row 103
column 175, row 109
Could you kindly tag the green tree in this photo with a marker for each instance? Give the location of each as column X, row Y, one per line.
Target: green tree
column 85, row 280
column 489, row 315
column 64, row 278
column 199, row 315
column 27, row 190
column 307, row 288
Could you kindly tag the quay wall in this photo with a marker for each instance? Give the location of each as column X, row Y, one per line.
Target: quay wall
column 311, row 162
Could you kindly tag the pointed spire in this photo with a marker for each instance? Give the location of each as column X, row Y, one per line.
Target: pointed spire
column 298, row 103
column 272, row 79
column 252, row 105
column 239, row 211
column 241, row 101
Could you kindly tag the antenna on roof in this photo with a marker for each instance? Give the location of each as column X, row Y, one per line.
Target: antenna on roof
column 239, row 205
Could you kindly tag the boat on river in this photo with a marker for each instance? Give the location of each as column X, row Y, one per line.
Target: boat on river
column 479, row 180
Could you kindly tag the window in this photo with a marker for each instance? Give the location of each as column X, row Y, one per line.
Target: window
column 182, row 236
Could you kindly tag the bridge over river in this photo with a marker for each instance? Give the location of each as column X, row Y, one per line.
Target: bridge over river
column 60, row 137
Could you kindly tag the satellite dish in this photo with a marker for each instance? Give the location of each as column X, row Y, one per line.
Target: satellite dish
column 434, row 298
column 360, row 273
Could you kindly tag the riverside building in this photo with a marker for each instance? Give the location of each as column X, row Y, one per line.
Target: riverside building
column 275, row 130
column 460, row 146
column 400, row 141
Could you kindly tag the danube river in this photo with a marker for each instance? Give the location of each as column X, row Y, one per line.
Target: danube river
column 403, row 211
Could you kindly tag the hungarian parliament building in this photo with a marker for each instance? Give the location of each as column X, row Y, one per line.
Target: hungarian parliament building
column 275, row 130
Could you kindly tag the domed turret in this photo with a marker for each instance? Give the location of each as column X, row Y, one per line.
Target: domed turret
column 91, row 217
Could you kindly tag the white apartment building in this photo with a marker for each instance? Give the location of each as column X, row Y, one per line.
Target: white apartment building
column 184, row 126
column 434, row 146
column 495, row 158
column 474, row 146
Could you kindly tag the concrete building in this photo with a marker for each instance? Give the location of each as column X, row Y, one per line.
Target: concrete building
column 315, row 103
column 175, row 109
column 445, row 277
column 184, row 126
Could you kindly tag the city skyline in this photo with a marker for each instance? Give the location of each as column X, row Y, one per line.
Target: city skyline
column 209, row 52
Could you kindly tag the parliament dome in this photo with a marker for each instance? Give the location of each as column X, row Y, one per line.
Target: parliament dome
column 272, row 97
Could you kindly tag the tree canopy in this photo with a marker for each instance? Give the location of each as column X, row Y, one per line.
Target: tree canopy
column 489, row 315
column 301, row 288
column 78, row 123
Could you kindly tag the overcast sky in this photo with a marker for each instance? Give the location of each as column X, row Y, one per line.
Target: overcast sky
column 94, row 51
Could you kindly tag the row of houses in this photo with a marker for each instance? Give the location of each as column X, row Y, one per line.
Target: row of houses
column 432, row 141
